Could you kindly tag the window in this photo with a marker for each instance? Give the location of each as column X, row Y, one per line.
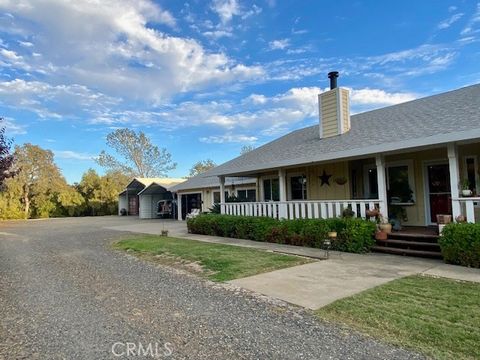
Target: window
column 271, row 190
column 298, row 187
column 247, row 195
column 216, row 197
column 371, row 182
column 399, row 190
column 471, row 172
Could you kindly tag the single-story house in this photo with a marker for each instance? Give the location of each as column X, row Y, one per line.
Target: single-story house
column 148, row 198
column 413, row 161
column 203, row 191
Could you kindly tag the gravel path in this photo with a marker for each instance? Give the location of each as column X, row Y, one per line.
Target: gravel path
column 64, row 294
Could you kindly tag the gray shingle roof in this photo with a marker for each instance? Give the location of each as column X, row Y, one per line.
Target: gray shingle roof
column 437, row 119
column 206, row 180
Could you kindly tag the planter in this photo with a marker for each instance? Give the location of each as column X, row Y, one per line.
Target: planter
column 164, row 233
column 444, row 219
column 466, row 193
column 341, row 180
column 372, row 213
column 386, row 228
column 381, row 235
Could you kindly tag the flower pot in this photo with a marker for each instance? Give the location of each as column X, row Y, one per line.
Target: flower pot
column 372, row 213
column 466, row 192
column 386, row 228
column 381, row 235
column 444, row 219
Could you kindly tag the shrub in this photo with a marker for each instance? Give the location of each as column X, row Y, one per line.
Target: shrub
column 460, row 244
column 353, row 235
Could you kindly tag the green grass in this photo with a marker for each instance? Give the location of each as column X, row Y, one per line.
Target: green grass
column 221, row 262
column 438, row 317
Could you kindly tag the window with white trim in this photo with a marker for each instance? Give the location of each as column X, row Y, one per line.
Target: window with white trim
column 247, row 195
column 271, row 189
column 470, row 172
column 400, row 183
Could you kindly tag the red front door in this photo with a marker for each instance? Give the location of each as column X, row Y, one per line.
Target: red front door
column 439, row 192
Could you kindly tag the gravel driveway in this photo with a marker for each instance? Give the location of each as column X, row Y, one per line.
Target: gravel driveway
column 64, row 294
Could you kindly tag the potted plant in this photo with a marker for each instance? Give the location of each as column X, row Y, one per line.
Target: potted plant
column 384, row 225
column 465, row 185
column 372, row 212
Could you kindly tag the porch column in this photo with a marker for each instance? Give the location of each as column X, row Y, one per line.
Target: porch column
column 128, row 204
column 222, row 194
column 382, row 184
column 454, row 178
column 282, row 183
column 179, row 206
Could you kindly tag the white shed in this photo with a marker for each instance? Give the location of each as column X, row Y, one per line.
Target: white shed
column 156, row 201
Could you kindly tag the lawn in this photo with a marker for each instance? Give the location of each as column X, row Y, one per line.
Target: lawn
column 438, row 317
column 219, row 262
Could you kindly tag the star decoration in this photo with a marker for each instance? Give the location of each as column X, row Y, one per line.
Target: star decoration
column 325, row 178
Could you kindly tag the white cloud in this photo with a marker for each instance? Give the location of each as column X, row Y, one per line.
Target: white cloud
column 116, row 50
column 217, row 34
column 73, row 155
column 12, row 128
column 445, row 24
column 228, row 138
column 378, row 97
column 279, row 44
column 226, row 9
column 472, row 26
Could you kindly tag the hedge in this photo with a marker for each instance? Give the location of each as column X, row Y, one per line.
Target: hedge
column 460, row 244
column 353, row 235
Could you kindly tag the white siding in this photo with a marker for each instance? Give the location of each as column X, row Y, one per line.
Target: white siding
column 145, row 211
column 122, row 203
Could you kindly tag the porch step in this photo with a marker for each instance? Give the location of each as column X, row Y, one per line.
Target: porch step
column 409, row 244
column 430, row 238
column 409, row 252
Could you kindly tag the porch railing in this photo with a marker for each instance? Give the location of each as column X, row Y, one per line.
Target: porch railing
column 470, row 207
column 321, row 209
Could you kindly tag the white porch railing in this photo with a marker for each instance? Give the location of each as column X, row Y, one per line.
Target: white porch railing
column 321, row 209
column 470, row 207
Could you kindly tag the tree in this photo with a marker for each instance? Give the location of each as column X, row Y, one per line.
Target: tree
column 137, row 156
column 246, row 148
column 201, row 166
column 37, row 180
column 6, row 159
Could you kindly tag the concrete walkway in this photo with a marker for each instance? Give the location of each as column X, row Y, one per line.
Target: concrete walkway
column 320, row 283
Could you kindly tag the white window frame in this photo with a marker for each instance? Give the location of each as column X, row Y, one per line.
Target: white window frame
column 411, row 177
column 366, row 182
column 262, row 189
column 289, row 185
column 245, row 188
column 475, row 167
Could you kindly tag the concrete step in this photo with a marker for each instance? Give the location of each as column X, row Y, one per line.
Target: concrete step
column 413, row 237
column 407, row 244
column 409, row 252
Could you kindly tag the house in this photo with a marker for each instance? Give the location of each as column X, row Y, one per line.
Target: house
column 203, row 191
column 410, row 160
column 148, row 198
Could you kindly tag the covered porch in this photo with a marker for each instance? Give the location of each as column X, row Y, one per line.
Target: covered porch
column 412, row 187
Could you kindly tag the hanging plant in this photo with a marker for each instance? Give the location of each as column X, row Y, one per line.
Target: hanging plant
column 342, row 180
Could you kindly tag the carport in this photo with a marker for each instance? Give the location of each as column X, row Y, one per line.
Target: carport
column 156, row 201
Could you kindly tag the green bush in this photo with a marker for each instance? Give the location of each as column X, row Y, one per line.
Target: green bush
column 353, row 235
column 460, row 244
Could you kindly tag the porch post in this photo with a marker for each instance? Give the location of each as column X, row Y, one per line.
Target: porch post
column 382, row 184
column 282, row 182
column 454, row 178
column 179, row 206
column 222, row 194
column 128, row 204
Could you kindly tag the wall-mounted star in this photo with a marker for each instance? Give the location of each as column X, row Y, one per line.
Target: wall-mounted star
column 325, row 178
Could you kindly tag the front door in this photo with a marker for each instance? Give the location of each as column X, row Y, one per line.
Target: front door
column 133, row 205
column 438, row 191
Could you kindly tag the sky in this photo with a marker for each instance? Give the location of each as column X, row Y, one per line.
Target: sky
column 203, row 78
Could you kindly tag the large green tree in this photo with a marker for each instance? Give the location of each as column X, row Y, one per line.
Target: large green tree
column 6, row 158
column 201, row 166
column 101, row 192
column 136, row 155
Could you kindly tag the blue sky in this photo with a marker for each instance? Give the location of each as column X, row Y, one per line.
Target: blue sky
column 203, row 78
